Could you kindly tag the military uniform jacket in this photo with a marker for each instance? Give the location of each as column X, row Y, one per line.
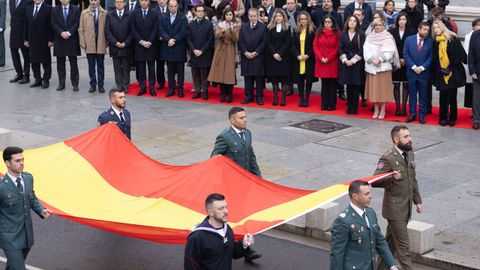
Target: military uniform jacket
column 16, row 230
column 110, row 116
column 399, row 194
column 354, row 244
column 231, row 145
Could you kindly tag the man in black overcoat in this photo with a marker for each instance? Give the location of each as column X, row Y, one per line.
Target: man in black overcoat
column 17, row 35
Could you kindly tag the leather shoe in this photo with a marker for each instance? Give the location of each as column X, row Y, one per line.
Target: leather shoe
column 60, row 87
column 180, row 93
column 259, row 101
column 364, row 103
column 24, row 80
column 141, row 92
column 452, row 123
column 410, row 119
column 443, row 123
column 196, row 95
column 152, row 93
column 422, row 120
column 170, row 92
column 205, row 95
column 101, row 89
column 246, row 101
column 476, row 125
column 92, row 89
column 45, row 84
column 251, row 255
column 36, row 84
column 75, row 88
column 342, row 96
column 16, row 79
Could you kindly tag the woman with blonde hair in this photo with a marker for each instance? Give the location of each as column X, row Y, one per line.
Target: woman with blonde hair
column 277, row 54
column 222, row 70
column 381, row 57
column 303, row 50
column 447, row 70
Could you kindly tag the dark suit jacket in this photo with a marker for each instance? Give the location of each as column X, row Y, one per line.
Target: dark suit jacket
column 118, row 30
column 110, row 116
column 144, row 29
column 366, row 9
column 38, row 33
column 178, row 31
column 474, row 54
column 318, row 14
column 70, row 46
column 411, row 57
column 399, row 194
column 252, row 40
column 17, row 23
column 16, row 230
column 200, row 37
column 229, row 144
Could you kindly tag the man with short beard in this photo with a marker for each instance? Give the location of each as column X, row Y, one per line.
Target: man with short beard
column 117, row 113
column 401, row 190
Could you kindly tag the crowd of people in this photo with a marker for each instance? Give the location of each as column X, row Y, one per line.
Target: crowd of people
column 377, row 55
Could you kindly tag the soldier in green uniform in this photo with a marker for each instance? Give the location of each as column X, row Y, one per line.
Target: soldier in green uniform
column 356, row 236
column 401, row 191
column 16, row 199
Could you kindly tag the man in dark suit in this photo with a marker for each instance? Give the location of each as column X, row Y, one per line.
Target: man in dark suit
column 162, row 10
column 130, row 7
column 173, row 50
column 356, row 235
column 3, row 16
column 401, row 191
column 17, row 35
column 39, row 38
column 417, row 52
column 144, row 31
column 327, row 9
column 119, row 37
column 18, row 198
column 65, row 22
column 474, row 69
column 358, row 4
column 360, row 15
column 200, row 41
column 251, row 45
column 117, row 113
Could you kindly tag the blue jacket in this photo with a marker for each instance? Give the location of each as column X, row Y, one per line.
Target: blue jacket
column 110, row 116
column 176, row 30
column 411, row 57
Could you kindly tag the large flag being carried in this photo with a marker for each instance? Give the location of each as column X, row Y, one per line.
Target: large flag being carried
column 101, row 179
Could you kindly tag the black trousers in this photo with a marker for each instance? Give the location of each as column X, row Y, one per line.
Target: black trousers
column 175, row 68
column 353, row 93
column 62, row 73
column 142, row 74
column 17, row 63
column 2, row 49
column 160, row 72
column 448, row 99
column 304, row 87
column 96, row 69
column 47, row 71
column 329, row 93
column 250, row 82
column 16, row 258
column 121, row 68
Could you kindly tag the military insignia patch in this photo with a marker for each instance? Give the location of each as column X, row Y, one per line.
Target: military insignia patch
column 112, row 113
column 380, row 165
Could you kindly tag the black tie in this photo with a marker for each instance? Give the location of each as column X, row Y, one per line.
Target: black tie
column 121, row 118
column 144, row 14
column 120, row 15
column 405, row 157
column 365, row 218
column 19, row 184
column 242, row 135
column 132, row 7
column 36, row 12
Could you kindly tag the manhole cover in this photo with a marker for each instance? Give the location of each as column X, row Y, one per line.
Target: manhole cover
column 320, row 126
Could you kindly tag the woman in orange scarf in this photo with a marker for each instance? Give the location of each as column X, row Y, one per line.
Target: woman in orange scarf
column 447, row 70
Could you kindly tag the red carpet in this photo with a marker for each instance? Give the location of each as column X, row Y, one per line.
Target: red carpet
column 464, row 120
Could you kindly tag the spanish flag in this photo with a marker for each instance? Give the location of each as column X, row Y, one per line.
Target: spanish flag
column 102, row 180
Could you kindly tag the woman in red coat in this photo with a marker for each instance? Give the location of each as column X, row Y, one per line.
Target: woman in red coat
column 325, row 47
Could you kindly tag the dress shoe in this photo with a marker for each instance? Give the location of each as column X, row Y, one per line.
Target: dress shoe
column 476, row 125
column 180, row 93
column 153, row 93
column 422, row 120
column 364, row 103
column 196, row 95
column 251, row 255
column 443, row 123
column 36, row 84
column 142, row 92
column 60, row 87
column 246, row 101
column 259, row 101
column 205, row 95
column 101, row 89
column 24, row 80
column 170, row 92
column 323, row 108
column 75, row 88
column 342, row 96
column 160, row 86
column 92, row 89
column 45, row 84
column 331, row 108
column 452, row 123
column 410, row 119
column 16, row 79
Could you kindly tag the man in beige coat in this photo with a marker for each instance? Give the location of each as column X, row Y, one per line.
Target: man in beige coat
column 93, row 41
column 401, row 191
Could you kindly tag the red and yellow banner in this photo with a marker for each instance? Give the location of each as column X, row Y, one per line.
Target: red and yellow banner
column 102, row 180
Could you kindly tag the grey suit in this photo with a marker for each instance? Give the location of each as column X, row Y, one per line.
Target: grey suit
column 16, row 230
column 231, row 145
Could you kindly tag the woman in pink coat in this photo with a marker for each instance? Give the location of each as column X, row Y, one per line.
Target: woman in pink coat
column 325, row 47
